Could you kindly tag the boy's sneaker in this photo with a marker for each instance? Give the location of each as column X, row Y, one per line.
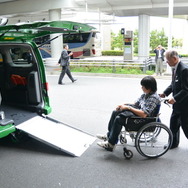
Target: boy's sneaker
column 106, row 145
column 102, row 137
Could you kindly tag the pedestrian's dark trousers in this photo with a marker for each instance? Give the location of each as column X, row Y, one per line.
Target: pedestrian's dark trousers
column 114, row 127
column 178, row 119
column 65, row 69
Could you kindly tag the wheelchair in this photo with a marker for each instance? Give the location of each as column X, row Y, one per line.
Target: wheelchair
column 151, row 138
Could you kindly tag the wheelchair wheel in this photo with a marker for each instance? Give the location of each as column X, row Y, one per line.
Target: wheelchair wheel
column 153, row 140
column 122, row 139
column 127, row 153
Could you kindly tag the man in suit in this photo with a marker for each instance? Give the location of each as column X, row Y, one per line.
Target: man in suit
column 159, row 58
column 179, row 99
column 64, row 63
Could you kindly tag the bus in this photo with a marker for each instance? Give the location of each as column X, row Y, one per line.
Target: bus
column 84, row 44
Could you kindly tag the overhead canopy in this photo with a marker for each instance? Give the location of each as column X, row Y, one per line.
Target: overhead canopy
column 136, row 7
column 117, row 8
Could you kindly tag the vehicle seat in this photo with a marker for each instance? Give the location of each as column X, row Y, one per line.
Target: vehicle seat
column 18, row 80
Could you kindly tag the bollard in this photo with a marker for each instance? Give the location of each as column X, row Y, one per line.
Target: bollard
column 113, row 67
column 144, row 68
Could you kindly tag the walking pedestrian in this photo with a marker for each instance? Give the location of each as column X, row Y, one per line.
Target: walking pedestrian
column 64, row 63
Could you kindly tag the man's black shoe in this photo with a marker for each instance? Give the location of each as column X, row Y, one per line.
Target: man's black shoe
column 61, row 83
column 173, row 146
column 74, row 80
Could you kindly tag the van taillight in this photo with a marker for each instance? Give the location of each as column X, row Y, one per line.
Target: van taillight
column 93, row 51
column 46, row 86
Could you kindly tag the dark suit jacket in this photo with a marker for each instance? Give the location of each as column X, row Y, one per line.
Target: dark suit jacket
column 64, row 59
column 179, row 88
column 157, row 54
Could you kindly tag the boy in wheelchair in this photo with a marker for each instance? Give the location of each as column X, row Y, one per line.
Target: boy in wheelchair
column 147, row 105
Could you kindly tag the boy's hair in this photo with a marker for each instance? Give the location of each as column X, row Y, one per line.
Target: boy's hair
column 149, row 82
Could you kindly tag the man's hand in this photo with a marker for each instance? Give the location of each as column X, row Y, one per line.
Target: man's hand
column 118, row 108
column 162, row 95
column 171, row 101
column 122, row 107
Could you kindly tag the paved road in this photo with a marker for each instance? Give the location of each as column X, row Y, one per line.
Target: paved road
column 87, row 105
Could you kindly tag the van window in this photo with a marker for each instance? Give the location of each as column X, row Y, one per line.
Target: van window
column 21, row 55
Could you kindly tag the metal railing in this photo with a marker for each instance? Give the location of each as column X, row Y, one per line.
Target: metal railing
column 144, row 65
column 147, row 64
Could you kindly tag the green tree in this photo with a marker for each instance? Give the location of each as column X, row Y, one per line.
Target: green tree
column 116, row 41
column 158, row 38
column 177, row 43
column 135, row 41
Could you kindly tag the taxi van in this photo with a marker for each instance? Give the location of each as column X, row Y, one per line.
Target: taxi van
column 25, row 105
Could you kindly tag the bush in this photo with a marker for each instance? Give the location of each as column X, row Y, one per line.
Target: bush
column 116, row 70
column 112, row 53
column 120, row 53
column 183, row 55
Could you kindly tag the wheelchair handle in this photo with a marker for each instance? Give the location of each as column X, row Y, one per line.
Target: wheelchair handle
column 165, row 102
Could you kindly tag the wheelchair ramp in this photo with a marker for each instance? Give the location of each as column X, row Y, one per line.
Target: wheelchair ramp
column 57, row 135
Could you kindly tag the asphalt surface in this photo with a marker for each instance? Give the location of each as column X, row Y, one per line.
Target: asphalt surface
column 87, row 105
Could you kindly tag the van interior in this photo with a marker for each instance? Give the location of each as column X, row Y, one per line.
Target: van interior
column 20, row 86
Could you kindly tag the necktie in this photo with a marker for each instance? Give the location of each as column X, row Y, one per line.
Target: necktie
column 173, row 74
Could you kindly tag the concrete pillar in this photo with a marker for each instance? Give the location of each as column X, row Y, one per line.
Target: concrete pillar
column 106, row 37
column 185, row 38
column 170, row 21
column 143, row 37
column 57, row 44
